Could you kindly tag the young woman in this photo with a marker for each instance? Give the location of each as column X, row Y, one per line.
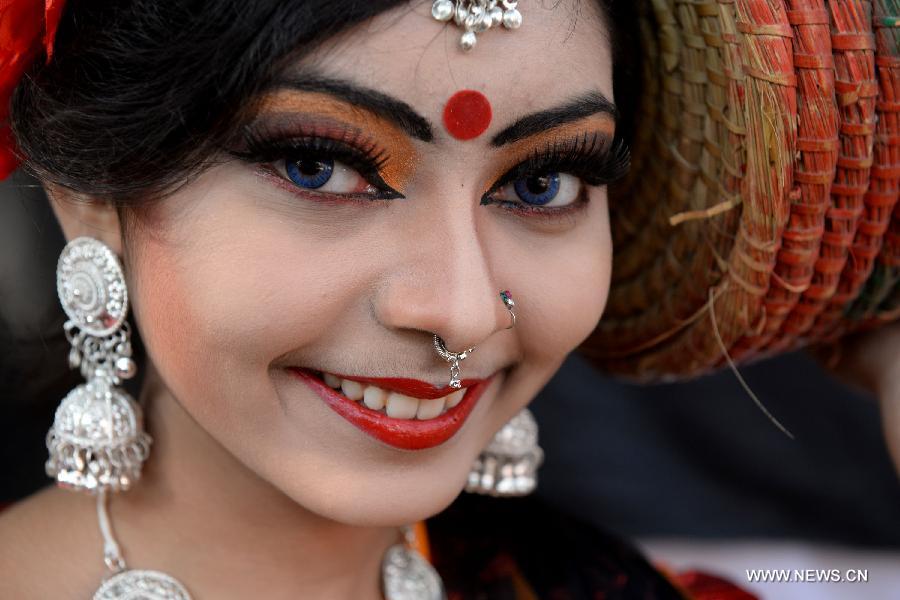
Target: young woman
column 356, row 240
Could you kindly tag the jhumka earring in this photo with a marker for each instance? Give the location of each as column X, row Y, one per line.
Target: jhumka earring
column 508, row 465
column 477, row 16
column 97, row 442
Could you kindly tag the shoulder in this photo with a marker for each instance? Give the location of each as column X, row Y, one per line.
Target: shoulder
column 43, row 542
column 525, row 547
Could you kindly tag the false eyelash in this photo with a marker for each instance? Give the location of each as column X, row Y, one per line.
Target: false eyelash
column 265, row 145
column 594, row 158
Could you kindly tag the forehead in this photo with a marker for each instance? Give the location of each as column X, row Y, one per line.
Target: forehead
column 560, row 51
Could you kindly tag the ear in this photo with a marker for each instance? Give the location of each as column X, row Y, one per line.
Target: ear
column 80, row 215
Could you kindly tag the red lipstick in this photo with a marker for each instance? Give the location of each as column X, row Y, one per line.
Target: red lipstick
column 406, row 434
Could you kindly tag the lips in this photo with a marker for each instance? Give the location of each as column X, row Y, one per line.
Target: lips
column 405, row 434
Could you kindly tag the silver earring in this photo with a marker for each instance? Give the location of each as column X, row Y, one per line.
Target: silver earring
column 508, row 465
column 97, row 441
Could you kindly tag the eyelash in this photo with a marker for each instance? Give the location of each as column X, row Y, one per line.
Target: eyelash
column 352, row 149
column 592, row 157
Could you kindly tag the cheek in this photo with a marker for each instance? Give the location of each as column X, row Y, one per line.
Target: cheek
column 216, row 311
column 566, row 285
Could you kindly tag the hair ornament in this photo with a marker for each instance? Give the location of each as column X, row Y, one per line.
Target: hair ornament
column 477, row 16
column 25, row 27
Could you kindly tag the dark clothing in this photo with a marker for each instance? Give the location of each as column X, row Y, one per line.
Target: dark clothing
column 524, row 549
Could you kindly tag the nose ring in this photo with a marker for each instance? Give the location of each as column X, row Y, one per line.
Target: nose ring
column 510, row 305
column 455, row 357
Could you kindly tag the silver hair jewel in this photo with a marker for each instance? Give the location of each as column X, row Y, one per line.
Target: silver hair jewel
column 508, row 465
column 97, row 441
column 477, row 16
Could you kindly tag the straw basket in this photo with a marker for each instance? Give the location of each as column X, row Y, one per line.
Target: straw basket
column 760, row 214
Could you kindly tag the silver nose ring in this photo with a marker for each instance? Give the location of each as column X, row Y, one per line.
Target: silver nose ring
column 510, row 305
column 455, row 357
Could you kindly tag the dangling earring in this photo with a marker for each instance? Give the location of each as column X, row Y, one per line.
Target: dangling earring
column 508, row 466
column 97, row 441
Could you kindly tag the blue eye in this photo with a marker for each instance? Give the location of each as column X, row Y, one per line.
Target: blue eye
column 537, row 190
column 310, row 173
column 554, row 189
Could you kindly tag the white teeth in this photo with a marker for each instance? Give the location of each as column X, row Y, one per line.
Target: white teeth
column 332, row 380
column 400, row 406
column 374, row 397
column 454, row 398
column 430, row 408
column 352, row 389
column 394, row 404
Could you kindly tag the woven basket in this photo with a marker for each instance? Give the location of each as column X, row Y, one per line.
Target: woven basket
column 760, row 214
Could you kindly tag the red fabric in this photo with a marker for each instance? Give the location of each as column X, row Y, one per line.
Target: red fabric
column 26, row 26
column 703, row 586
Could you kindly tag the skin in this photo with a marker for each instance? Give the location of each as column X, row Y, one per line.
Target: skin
column 254, row 485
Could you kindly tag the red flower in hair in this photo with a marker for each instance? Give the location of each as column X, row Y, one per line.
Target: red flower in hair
column 25, row 27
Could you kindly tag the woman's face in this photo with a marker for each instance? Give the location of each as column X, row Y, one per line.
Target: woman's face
column 373, row 235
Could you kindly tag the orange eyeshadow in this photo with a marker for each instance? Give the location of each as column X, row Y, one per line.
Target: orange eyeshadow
column 402, row 158
column 521, row 150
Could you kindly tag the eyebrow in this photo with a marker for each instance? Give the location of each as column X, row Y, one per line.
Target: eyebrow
column 589, row 104
column 398, row 112
column 404, row 116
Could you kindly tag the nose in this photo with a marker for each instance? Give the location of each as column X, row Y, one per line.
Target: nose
column 442, row 283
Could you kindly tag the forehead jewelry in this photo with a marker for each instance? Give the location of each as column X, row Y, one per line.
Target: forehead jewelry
column 476, row 16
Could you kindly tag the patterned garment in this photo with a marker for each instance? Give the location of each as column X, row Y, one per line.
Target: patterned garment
column 524, row 549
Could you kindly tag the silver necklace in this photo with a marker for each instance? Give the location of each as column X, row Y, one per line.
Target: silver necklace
column 405, row 574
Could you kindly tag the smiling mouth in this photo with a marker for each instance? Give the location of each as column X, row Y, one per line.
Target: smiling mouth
column 405, row 413
column 420, row 400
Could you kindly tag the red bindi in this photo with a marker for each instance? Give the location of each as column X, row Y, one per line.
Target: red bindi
column 467, row 114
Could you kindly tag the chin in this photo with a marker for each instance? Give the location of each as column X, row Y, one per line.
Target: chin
column 381, row 502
